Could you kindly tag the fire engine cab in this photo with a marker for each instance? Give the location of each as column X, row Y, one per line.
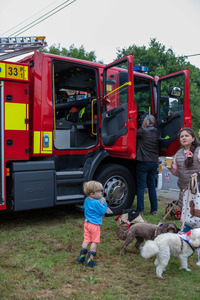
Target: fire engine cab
column 65, row 121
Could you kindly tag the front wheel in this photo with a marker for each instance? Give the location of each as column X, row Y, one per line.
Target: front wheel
column 119, row 186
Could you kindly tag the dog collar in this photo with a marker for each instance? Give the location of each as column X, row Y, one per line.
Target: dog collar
column 156, row 230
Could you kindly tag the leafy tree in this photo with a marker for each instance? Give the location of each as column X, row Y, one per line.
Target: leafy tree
column 159, row 60
column 162, row 61
column 74, row 52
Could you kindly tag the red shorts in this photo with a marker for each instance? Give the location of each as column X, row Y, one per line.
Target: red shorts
column 91, row 233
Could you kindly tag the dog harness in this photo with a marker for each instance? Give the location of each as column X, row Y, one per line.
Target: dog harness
column 185, row 236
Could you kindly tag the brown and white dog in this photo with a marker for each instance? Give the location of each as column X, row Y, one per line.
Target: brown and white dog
column 143, row 231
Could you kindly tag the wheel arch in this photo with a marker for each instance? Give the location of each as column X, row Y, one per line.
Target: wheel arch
column 127, row 163
column 102, row 157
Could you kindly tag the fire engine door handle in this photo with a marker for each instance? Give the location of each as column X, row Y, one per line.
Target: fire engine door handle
column 112, row 114
column 9, row 98
column 9, row 142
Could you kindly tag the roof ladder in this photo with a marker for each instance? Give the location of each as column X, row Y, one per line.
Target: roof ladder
column 14, row 46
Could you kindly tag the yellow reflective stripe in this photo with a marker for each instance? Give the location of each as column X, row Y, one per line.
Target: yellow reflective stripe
column 36, row 141
column 15, row 115
column 27, row 115
column 2, row 70
column 46, row 149
column 25, row 73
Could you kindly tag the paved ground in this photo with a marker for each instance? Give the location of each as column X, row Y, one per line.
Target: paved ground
column 170, row 194
column 169, row 189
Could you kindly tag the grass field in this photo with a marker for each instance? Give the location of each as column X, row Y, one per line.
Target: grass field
column 38, row 251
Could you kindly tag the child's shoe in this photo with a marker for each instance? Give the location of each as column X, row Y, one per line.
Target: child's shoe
column 82, row 256
column 90, row 262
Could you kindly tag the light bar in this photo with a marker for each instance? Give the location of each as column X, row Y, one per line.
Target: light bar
column 140, row 69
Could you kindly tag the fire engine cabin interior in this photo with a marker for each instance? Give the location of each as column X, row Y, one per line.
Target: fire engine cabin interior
column 75, row 106
column 76, row 111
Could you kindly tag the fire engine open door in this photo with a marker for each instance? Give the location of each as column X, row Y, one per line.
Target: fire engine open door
column 173, row 111
column 119, row 114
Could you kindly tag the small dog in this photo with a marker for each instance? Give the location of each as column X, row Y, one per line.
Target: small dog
column 143, row 231
column 174, row 244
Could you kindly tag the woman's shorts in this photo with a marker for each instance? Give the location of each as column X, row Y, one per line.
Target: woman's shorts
column 91, row 233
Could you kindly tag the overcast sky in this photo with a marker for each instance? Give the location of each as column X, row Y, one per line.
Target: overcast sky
column 105, row 25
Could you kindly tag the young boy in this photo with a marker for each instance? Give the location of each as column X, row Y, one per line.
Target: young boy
column 94, row 209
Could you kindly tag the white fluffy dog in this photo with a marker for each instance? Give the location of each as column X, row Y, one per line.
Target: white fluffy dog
column 168, row 244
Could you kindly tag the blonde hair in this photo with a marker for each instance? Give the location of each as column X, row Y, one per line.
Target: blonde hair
column 92, row 187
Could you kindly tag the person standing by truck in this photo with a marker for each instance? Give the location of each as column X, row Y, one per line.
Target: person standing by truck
column 93, row 211
column 186, row 163
column 147, row 163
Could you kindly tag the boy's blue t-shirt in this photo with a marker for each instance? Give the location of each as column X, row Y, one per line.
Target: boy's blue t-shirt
column 94, row 211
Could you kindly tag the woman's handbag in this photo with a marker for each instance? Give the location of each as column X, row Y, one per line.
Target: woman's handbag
column 191, row 204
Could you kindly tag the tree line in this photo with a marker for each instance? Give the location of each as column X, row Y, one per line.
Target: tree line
column 159, row 60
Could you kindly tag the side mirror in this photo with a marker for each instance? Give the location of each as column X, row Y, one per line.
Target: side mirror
column 175, row 91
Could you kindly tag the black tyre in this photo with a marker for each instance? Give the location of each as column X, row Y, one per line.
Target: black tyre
column 119, row 186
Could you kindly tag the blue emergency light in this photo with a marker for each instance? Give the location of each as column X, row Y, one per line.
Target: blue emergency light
column 140, row 69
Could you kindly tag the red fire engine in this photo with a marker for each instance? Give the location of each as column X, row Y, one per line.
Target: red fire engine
column 49, row 146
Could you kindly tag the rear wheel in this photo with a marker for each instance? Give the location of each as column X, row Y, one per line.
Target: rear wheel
column 119, row 186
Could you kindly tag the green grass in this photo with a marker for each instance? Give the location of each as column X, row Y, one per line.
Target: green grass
column 38, row 251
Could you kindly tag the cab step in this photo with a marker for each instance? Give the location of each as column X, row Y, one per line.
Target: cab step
column 68, row 177
column 69, row 199
column 69, row 174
